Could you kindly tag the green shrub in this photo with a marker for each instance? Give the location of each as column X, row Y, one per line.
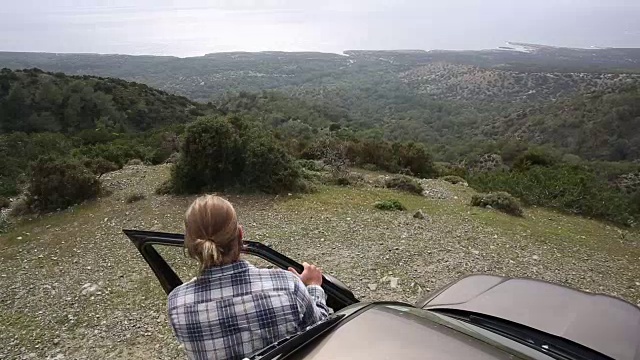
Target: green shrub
column 534, row 157
column 376, row 152
column 223, row 153
column 4, row 202
column 370, row 167
column 345, row 179
column 416, row 158
column 342, row 181
column 173, row 158
column 500, row 201
column 118, row 152
column 404, row 183
column 453, row 179
column 134, row 197
column 59, row 183
column 575, row 189
column 447, row 169
column 20, row 207
column 165, row 188
column 390, row 205
column 8, row 186
column 268, row 167
column 100, row 166
column 5, row 223
column 311, row 165
column 135, row 162
column 18, row 149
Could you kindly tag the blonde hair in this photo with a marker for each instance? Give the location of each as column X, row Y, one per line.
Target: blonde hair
column 212, row 235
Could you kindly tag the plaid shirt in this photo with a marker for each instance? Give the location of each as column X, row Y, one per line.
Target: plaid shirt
column 235, row 310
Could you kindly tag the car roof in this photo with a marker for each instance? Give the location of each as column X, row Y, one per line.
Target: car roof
column 603, row 323
column 387, row 331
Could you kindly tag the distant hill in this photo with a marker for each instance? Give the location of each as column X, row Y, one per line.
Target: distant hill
column 600, row 125
column 471, row 83
column 447, row 99
column 35, row 101
column 206, row 77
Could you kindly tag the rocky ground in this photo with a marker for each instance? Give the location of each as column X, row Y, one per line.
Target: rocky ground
column 73, row 287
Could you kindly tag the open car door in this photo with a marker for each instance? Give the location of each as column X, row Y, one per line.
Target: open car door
column 338, row 295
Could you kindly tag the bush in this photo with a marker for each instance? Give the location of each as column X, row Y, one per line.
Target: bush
column 5, row 223
column 370, row 167
column 404, row 183
column 375, row 152
column 342, row 181
column 118, row 152
column 574, row 189
column 173, row 158
column 223, row 153
column 267, row 166
column 446, row 169
column 390, row 205
column 311, row 165
column 20, row 207
column 416, row 158
column 8, row 186
column 135, row 162
column 499, row 200
column 134, row 197
column 100, row 166
column 165, row 188
column 453, row 179
column 534, row 157
column 4, row 202
column 59, row 183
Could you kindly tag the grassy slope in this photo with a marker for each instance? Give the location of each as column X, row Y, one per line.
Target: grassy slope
column 43, row 311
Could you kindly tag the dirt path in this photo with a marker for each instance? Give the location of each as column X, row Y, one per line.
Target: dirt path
column 73, row 286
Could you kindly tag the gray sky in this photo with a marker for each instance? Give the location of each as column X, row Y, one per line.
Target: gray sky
column 196, row 27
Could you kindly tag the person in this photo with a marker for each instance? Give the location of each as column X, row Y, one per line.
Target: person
column 233, row 309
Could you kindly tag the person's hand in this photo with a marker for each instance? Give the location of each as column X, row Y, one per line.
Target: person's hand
column 311, row 275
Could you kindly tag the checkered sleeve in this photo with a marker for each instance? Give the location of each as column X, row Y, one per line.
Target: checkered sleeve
column 312, row 303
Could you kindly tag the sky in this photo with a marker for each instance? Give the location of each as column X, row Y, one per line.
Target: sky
column 196, row 27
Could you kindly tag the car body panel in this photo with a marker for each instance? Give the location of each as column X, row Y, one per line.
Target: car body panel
column 603, row 323
column 387, row 331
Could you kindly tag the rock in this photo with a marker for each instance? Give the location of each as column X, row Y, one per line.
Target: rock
column 535, row 257
column 489, row 207
column 393, row 282
column 419, row 215
column 89, row 289
column 373, row 287
column 19, row 238
column 475, row 252
column 637, row 283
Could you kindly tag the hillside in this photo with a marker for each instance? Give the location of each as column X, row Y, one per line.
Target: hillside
column 206, row 77
column 447, row 99
column 35, row 101
column 74, row 287
column 88, row 117
column 470, row 83
column 601, row 125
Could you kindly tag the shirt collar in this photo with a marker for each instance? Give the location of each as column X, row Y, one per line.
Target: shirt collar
column 215, row 271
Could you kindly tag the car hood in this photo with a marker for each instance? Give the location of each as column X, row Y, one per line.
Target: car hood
column 606, row 324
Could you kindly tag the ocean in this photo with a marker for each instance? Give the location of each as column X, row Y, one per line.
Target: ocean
column 168, row 29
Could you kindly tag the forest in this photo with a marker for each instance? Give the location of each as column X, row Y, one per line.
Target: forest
column 397, row 119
